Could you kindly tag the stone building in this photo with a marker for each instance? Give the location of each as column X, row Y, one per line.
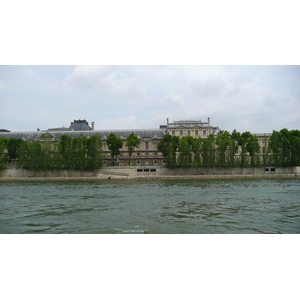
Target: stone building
column 193, row 128
column 145, row 155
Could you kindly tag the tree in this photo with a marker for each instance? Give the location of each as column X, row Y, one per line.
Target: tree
column 185, row 150
column 94, row 153
column 3, row 156
column 132, row 142
column 295, row 147
column 208, row 152
column 275, row 146
column 196, row 149
column 114, row 145
column 65, row 147
column 168, row 146
column 233, row 148
column 12, row 147
column 253, row 150
column 222, row 141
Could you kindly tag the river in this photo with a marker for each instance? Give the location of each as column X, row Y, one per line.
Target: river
column 151, row 206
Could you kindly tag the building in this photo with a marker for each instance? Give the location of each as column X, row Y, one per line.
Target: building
column 146, row 154
column 77, row 125
column 193, row 128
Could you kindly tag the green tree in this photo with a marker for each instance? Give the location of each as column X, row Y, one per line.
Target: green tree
column 66, row 151
column 79, row 153
column 185, row 151
column 94, row 153
column 222, row 141
column 295, row 148
column 233, row 148
column 3, row 156
column 275, row 145
column 114, row 145
column 12, row 147
column 132, row 142
column 265, row 152
column 253, row 149
column 285, row 151
column 208, row 152
column 196, row 149
column 168, row 146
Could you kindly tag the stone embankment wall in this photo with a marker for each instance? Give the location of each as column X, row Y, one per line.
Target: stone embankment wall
column 151, row 171
column 18, row 172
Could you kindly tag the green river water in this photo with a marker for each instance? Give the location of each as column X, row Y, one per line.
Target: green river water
column 151, row 206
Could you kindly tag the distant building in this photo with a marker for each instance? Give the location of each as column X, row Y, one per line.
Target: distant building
column 192, row 128
column 77, row 125
column 146, row 154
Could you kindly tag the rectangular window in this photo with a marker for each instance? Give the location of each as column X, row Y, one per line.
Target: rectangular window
column 153, row 170
column 173, row 132
column 181, row 132
column 204, row 132
column 188, row 132
column 139, row 170
column 196, row 132
column 146, row 170
column 146, row 145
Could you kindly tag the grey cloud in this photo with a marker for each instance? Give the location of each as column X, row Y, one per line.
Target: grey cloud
column 108, row 79
column 3, row 87
column 208, row 88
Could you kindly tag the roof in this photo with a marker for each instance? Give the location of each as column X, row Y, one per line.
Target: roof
column 38, row 135
column 80, row 125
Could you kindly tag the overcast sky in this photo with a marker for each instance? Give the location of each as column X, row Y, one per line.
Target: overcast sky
column 245, row 98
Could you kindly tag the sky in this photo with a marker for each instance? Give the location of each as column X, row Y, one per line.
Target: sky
column 246, row 98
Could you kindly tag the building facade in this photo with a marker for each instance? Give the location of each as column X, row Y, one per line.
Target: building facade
column 193, row 128
column 146, row 154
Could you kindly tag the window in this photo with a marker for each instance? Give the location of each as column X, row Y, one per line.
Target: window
column 204, row 132
column 173, row 132
column 181, row 132
column 146, row 145
column 188, row 132
column 152, row 170
column 196, row 132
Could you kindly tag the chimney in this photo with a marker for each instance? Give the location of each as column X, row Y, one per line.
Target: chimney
column 208, row 121
column 167, row 121
column 93, row 125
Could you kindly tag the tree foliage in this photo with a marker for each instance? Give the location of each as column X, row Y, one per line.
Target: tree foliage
column 132, row 142
column 114, row 145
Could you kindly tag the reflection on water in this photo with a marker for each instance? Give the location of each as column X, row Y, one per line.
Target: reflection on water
column 162, row 206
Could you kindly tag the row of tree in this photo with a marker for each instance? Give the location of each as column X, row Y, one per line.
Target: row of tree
column 232, row 150
column 68, row 153
column 226, row 149
column 84, row 153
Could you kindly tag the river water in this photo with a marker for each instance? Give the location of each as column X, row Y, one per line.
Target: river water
column 151, row 206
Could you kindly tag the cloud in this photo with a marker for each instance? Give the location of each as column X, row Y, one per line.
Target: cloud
column 3, row 87
column 209, row 88
column 253, row 98
column 108, row 79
